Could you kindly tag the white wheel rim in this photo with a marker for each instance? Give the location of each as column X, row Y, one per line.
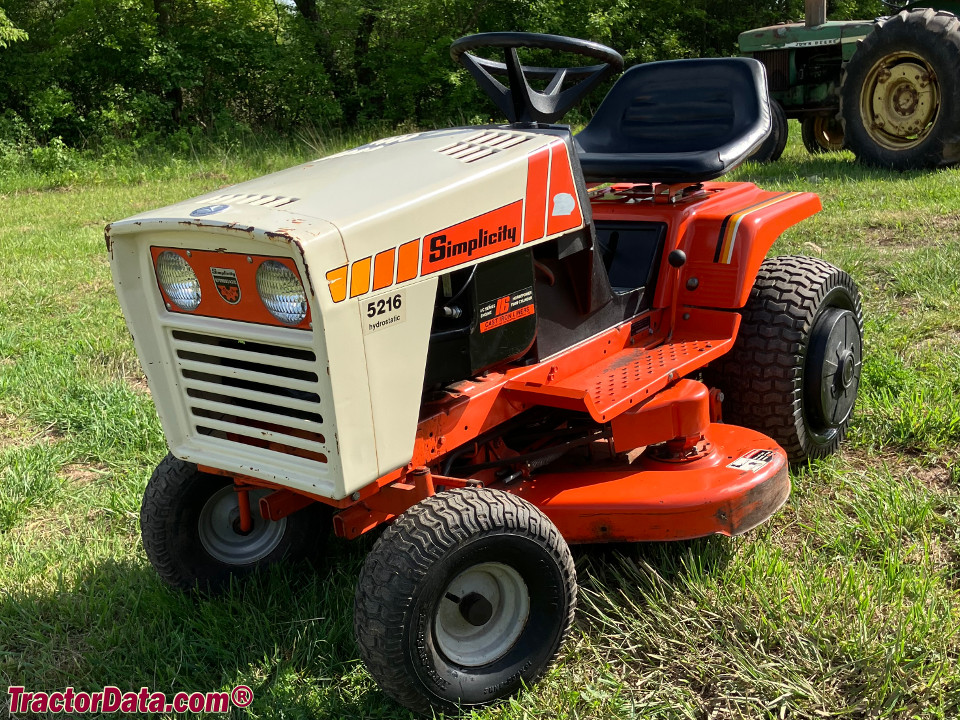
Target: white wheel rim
column 218, row 529
column 497, row 602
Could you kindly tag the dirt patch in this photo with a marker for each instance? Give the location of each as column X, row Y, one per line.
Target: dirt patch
column 14, row 431
column 935, row 474
column 911, row 232
column 80, row 474
column 950, row 223
column 937, row 478
column 138, row 383
column 945, row 339
column 46, row 522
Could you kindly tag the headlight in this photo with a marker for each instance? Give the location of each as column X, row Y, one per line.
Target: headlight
column 281, row 292
column 178, row 280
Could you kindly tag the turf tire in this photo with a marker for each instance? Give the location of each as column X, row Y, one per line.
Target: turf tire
column 772, row 377
column 410, row 572
column 170, row 516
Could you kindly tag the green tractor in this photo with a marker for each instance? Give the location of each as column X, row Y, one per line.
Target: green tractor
column 888, row 89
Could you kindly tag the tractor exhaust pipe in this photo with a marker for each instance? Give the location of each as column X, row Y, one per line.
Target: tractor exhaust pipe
column 815, row 13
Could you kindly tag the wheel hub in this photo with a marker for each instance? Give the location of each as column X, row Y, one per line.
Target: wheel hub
column 219, row 529
column 828, row 133
column 900, row 101
column 481, row 614
column 832, row 372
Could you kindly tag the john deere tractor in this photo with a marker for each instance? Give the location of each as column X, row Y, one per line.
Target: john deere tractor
column 888, row 89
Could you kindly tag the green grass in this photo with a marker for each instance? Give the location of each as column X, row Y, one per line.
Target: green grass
column 844, row 605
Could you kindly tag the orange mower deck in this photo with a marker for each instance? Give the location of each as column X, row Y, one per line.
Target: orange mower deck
column 740, row 482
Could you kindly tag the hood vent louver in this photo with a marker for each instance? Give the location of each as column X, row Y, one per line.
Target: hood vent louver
column 482, row 144
column 272, row 201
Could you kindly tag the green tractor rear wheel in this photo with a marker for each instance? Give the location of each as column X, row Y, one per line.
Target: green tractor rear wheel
column 900, row 92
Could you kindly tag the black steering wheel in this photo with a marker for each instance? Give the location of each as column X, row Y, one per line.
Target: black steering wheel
column 519, row 102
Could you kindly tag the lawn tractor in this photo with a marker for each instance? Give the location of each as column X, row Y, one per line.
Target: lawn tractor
column 489, row 343
column 888, row 89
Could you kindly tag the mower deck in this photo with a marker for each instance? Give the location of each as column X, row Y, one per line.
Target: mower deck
column 738, row 483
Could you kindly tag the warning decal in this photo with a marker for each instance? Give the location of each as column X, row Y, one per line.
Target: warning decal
column 506, row 309
column 752, row 461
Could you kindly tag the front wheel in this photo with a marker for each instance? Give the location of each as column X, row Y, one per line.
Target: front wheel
column 821, row 134
column 189, row 523
column 794, row 369
column 463, row 600
column 900, row 92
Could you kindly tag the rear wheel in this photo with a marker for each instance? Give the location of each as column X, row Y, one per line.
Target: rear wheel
column 189, row 522
column 900, row 92
column 463, row 600
column 822, row 134
column 772, row 148
column 794, row 370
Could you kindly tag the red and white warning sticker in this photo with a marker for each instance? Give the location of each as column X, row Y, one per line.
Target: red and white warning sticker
column 752, row 461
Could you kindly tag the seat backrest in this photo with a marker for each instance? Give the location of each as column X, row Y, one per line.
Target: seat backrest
column 674, row 111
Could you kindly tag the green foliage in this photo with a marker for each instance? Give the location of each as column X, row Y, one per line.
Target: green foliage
column 9, row 33
column 94, row 72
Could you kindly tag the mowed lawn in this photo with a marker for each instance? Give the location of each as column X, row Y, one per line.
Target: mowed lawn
column 844, row 605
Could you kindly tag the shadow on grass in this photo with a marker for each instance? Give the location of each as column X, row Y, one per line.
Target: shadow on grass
column 287, row 633
column 830, row 167
column 642, row 566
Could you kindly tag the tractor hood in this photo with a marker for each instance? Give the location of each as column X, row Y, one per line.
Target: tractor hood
column 798, row 35
column 375, row 196
column 369, row 232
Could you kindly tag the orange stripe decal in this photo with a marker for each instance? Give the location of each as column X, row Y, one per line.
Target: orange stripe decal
column 535, row 208
column 337, row 281
column 383, row 269
column 408, row 260
column 360, row 277
column 563, row 208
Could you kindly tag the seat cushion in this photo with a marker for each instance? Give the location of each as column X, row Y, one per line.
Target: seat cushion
column 677, row 121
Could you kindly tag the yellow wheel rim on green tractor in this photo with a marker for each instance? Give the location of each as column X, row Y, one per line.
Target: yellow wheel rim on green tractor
column 900, row 100
column 828, row 133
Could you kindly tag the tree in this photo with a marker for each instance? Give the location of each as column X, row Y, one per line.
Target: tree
column 8, row 32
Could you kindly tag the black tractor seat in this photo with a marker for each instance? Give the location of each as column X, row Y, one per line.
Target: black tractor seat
column 677, row 121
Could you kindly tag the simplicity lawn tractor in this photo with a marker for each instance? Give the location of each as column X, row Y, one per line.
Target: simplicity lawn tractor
column 887, row 89
column 495, row 342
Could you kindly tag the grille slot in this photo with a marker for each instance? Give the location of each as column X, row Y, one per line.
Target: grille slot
column 252, row 394
column 777, row 63
column 273, row 201
column 480, row 145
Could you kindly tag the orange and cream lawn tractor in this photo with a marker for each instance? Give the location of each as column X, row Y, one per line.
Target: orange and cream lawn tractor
column 494, row 341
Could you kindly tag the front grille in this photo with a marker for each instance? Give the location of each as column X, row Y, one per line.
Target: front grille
column 251, row 394
column 481, row 144
column 777, row 63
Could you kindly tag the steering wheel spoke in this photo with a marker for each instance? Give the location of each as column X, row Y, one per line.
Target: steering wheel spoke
column 553, row 87
column 520, row 102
